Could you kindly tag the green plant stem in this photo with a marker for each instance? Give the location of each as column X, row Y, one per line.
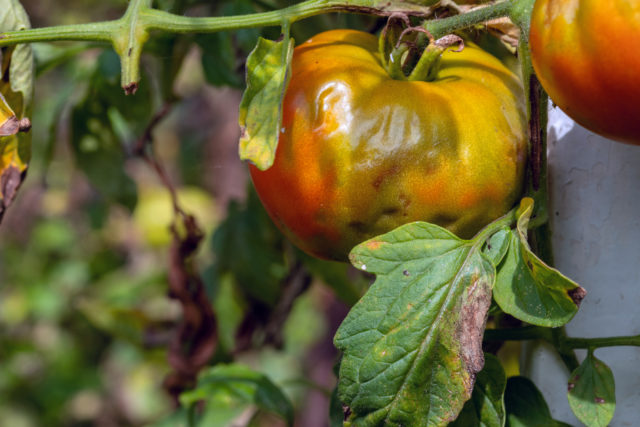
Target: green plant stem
column 129, row 33
column 146, row 19
column 558, row 338
column 441, row 27
column 590, row 343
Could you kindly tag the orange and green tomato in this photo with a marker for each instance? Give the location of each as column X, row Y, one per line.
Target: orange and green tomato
column 360, row 154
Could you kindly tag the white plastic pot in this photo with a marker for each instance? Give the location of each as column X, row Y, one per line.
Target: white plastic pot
column 595, row 216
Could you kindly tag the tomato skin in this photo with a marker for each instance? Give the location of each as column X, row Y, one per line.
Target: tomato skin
column 360, row 153
column 586, row 56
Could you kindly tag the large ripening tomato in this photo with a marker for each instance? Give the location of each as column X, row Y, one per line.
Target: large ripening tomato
column 586, row 55
column 360, row 153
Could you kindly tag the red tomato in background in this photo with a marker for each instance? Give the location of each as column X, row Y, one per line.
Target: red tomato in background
column 586, row 55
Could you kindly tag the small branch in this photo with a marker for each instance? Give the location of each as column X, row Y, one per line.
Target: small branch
column 590, row 343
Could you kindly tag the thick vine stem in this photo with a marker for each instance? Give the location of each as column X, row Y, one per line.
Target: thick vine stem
column 129, row 33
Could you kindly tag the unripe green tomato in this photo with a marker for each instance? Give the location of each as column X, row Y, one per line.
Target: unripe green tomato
column 360, row 154
column 586, row 56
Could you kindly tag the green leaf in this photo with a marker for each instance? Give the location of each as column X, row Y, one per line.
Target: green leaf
column 219, row 59
column 102, row 123
column 268, row 71
column 530, row 290
column 21, row 70
column 247, row 237
column 497, row 246
column 486, row 406
column 592, row 394
column 348, row 287
column 16, row 96
column 526, row 406
column 412, row 345
column 240, row 385
column 336, row 413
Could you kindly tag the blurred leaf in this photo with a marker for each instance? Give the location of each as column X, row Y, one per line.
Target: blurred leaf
column 246, row 38
column 486, row 406
column 530, row 290
column 592, row 393
column 526, row 406
column 229, row 309
column 248, row 245
column 219, row 59
column 97, row 128
column 336, row 276
column 16, row 93
column 221, row 51
column 268, row 72
column 336, row 413
column 413, row 344
column 228, row 385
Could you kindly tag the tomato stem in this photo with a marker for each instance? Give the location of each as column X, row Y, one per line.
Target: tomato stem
column 441, row 27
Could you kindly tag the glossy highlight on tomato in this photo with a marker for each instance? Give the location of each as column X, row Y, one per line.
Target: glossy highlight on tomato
column 586, row 56
column 360, row 153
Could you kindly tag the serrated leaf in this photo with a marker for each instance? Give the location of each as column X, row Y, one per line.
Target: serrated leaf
column 592, row 395
column 412, row 345
column 530, row 290
column 16, row 91
column 239, row 384
column 268, row 71
column 486, row 406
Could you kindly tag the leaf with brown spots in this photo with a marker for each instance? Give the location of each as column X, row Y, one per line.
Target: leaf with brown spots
column 592, row 394
column 530, row 290
column 16, row 91
column 412, row 344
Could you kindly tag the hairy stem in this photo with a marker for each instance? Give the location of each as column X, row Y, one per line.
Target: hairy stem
column 442, row 27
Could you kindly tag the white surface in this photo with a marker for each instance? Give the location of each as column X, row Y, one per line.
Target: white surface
column 595, row 216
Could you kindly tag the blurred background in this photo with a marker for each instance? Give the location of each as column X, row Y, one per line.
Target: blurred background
column 86, row 319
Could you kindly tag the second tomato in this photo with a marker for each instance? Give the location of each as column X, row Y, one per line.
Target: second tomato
column 586, row 56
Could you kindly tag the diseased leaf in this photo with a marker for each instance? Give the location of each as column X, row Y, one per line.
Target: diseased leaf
column 268, row 71
column 530, row 290
column 234, row 386
column 526, row 406
column 412, row 345
column 486, row 406
column 16, row 94
column 592, row 394
column 8, row 120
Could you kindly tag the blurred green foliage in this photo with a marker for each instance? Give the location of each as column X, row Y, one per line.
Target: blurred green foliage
column 85, row 319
